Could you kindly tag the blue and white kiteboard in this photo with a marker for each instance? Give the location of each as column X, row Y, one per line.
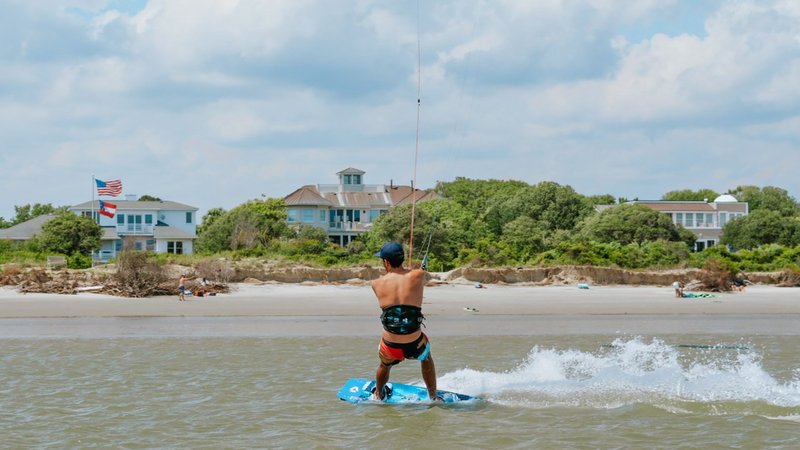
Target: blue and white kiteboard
column 358, row 390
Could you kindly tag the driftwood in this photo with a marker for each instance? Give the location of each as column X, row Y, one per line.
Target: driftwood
column 139, row 280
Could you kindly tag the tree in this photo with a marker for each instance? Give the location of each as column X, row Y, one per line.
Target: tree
column 251, row 224
column 690, row 195
column 525, row 237
column 556, row 207
column 209, row 218
column 630, row 223
column 477, row 195
column 149, row 198
column 69, row 234
column 441, row 227
column 27, row 212
column 769, row 197
column 603, row 199
column 761, row 227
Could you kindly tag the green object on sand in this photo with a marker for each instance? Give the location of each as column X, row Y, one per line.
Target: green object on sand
column 699, row 295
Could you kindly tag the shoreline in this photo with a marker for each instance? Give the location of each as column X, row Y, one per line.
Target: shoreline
column 305, row 311
column 441, row 300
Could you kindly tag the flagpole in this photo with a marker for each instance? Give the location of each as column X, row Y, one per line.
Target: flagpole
column 91, row 254
column 93, row 183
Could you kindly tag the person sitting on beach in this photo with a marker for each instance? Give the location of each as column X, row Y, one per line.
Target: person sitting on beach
column 182, row 286
column 399, row 293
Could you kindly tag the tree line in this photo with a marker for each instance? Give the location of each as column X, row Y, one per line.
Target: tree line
column 507, row 223
column 490, row 223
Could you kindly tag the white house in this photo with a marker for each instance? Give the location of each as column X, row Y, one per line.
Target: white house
column 348, row 208
column 156, row 226
column 705, row 219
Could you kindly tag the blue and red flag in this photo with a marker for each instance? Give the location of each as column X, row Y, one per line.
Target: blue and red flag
column 107, row 209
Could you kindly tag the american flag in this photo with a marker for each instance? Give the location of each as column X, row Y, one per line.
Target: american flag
column 111, row 188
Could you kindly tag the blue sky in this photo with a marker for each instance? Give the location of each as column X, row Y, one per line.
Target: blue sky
column 214, row 102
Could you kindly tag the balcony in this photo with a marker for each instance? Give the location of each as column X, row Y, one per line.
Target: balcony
column 346, row 226
column 135, row 229
column 699, row 225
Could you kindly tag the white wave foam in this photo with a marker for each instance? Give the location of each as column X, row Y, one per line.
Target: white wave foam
column 632, row 371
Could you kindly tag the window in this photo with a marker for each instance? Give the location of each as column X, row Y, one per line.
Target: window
column 689, row 219
column 679, row 218
column 356, row 179
column 189, row 217
column 120, row 219
column 148, row 219
column 150, row 245
column 374, row 214
column 723, row 219
column 322, row 215
column 291, row 215
column 348, row 179
column 709, row 219
column 357, row 215
column 175, row 247
column 308, row 215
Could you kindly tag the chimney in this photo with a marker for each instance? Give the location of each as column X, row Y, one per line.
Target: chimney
column 391, row 184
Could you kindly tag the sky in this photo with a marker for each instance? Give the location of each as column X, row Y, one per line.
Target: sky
column 215, row 102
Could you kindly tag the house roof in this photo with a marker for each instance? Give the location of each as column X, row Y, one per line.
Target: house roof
column 351, row 171
column 171, row 233
column 401, row 195
column 359, row 199
column 137, row 205
column 109, row 234
column 383, row 197
column 306, row 196
column 26, row 230
column 725, row 198
column 666, row 206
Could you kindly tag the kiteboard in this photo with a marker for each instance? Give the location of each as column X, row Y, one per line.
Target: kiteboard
column 359, row 390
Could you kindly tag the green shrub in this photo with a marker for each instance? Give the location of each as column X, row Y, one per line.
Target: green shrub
column 79, row 261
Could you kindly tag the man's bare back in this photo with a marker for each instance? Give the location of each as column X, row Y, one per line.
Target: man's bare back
column 400, row 287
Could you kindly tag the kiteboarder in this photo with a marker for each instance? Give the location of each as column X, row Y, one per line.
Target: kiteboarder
column 399, row 293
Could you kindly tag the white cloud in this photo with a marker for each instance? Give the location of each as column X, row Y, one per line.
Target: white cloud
column 631, row 99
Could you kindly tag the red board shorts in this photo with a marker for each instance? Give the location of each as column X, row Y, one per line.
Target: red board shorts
column 392, row 353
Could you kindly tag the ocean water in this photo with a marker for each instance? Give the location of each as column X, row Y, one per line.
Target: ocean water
column 571, row 391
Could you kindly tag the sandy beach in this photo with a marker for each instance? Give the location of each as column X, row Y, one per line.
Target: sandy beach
column 451, row 309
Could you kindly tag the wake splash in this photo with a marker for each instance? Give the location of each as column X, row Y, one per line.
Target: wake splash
column 635, row 372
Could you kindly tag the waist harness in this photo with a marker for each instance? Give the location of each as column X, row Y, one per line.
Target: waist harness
column 402, row 319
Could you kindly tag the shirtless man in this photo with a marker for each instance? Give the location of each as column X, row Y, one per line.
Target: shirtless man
column 182, row 286
column 399, row 293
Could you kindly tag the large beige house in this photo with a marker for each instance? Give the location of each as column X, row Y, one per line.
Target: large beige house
column 348, row 208
column 705, row 219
